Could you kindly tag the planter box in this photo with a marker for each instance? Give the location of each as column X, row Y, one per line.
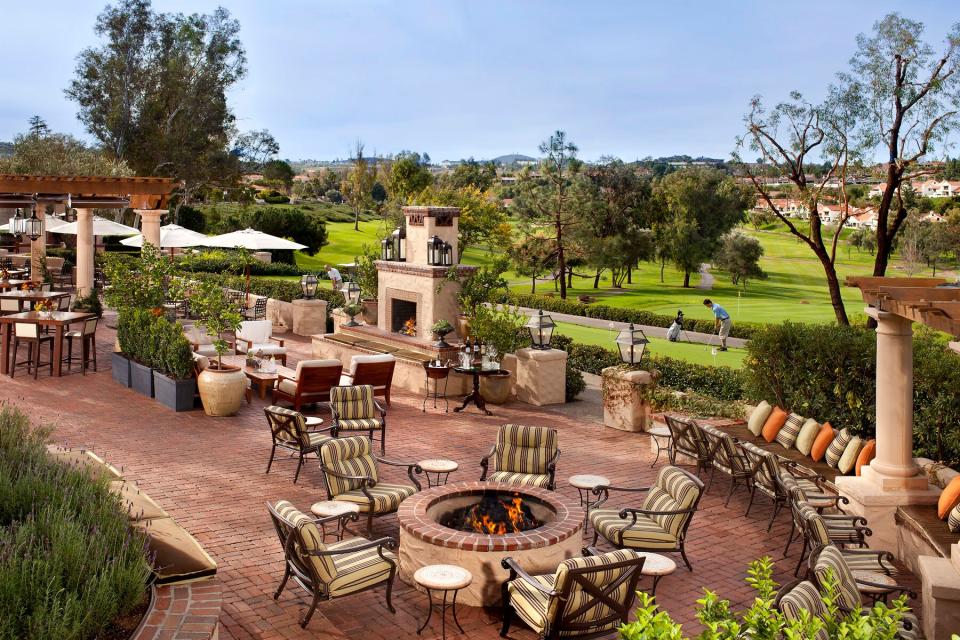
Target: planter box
column 141, row 378
column 120, row 365
column 172, row 393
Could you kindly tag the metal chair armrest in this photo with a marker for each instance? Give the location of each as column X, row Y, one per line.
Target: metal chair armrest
column 516, row 571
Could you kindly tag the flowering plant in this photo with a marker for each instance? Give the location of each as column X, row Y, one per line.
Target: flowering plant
column 43, row 306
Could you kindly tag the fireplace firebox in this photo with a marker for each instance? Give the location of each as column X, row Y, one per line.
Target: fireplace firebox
column 403, row 317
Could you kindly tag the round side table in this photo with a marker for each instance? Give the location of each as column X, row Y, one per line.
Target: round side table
column 661, row 436
column 328, row 508
column 656, row 565
column 440, row 467
column 584, row 484
column 445, row 578
column 312, row 422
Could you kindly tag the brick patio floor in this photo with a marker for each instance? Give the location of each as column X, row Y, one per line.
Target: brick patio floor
column 209, row 474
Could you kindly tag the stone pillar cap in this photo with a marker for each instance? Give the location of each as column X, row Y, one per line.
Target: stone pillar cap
column 543, row 355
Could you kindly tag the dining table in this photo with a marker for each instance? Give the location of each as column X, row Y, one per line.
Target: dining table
column 58, row 320
column 31, row 296
column 13, row 283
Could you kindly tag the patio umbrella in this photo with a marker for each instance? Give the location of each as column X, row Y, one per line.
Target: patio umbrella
column 172, row 236
column 253, row 240
column 101, row 227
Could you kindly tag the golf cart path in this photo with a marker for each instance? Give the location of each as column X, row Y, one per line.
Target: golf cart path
column 656, row 332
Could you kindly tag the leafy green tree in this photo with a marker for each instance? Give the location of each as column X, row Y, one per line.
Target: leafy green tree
column 532, row 256
column 760, row 218
column 334, row 196
column 483, row 219
column 296, row 224
column 470, row 173
column 154, row 93
column 38, row 127
column 357, row 186
column 739, row 255
column 698, row 206
column 255, row 148
column 409, row 175
column 53, row 154
column 278, row 173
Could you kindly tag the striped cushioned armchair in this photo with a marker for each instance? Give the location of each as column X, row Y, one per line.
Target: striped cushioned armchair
column 661, row 523
column 351, row 475
column 330, row 571
column 288, row 429
column 524, row 456
column 355, row 409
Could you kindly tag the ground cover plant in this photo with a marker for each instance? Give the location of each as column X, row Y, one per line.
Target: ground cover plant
column 69, row 562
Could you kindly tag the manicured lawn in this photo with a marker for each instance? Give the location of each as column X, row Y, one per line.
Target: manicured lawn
column 697, row 353
column 344, row 244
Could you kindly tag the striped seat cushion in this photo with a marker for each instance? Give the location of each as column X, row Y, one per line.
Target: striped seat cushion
column 523, row 449
column 316, row 439
column 646, row 533
column 531, row 605
column 347, row 456
column 324, row 566
column 804, row 597
column 353, row 403
column 520, row 479
column 674, row 490
column 837, row 447
column 360, row 424
column 787, row 435
column 830, row 561
column 868, row 562
column 361, row 569
column 386, row 497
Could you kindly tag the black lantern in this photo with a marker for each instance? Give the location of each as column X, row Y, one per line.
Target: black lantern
column 386, row 249
column 399, row 240
column 436, row 249
column 33, row 226
column 308, row 285
column 16, row 224
column 632, row 343
column 541, row 330
column 351, row 292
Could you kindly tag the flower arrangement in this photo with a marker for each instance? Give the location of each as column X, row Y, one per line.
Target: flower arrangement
column 43, row 307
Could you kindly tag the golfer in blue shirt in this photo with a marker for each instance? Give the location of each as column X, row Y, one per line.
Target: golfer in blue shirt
column 722, row 324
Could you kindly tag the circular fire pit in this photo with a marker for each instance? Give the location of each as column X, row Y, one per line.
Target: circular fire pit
column 452, row 524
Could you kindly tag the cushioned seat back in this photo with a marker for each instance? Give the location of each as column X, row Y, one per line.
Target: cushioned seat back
column 803, row 597
column 287, row 426
column 723, row 449
column 318, row 376
column 764, row 464
column 674, row 490
column 686, row 438
column 347, row 456
column 377, row 371
column 830, row 562
column 615, row 574
column 256, row 331
column 523, row 449
column 814, row 527
column 306, row 538
column 353, row 403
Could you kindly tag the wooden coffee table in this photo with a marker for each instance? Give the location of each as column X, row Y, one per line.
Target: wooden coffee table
column 261, row 380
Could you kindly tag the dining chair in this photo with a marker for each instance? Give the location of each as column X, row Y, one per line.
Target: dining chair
column 88, row 344
column 29, row 334
column 8, row 307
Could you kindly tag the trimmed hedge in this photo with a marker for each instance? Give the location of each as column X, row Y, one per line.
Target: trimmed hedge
column 285, row 290
column 69, row 562
column 227, row 262
column 744, row 330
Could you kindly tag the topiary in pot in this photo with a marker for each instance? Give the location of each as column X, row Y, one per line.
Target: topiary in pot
column 222, row 387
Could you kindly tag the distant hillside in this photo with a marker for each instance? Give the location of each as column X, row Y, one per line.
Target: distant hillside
column 512, row 158
column 6, row 149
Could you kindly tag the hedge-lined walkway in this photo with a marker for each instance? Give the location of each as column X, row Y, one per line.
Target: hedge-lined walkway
column 209, row 474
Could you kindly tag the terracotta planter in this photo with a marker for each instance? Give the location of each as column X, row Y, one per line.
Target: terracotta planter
column 495, row 388
column 222, row 390
column 462, row 323
column 370, row 312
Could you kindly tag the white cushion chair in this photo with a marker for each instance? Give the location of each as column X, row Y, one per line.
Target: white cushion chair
column 256, row 336
column 200, row 341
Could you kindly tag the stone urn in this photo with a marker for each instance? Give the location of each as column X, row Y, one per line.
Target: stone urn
column 221, row 390
column 370, row 312
column 496, row 387
column 462, row 324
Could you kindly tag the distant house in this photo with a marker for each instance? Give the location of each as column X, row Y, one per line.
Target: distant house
column 938, row 188
column 877, row 190
column 830, row 213
column 865, row 218
column 786, row 206
column 932, row 216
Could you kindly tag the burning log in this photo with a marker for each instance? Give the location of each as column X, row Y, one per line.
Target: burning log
column 493, row 514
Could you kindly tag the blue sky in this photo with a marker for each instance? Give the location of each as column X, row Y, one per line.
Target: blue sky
column 460, row 78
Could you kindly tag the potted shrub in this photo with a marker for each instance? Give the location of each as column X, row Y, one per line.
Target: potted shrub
column 367, row 277
column 502, row 331
column 440, row 329
column 173, row 381
column 221, row 386
column 119, row 361
column 140, row 347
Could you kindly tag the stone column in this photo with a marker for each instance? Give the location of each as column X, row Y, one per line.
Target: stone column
column 541, row 376
column 150, row 225
column 625, row 403
column 85, row 250
column 38, row 248
column 309, row 317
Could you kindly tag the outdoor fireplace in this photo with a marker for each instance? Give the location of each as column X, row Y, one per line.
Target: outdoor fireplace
column 403, row 317
column 452, row 524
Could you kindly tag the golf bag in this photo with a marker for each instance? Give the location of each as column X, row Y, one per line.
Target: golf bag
column 673, row 333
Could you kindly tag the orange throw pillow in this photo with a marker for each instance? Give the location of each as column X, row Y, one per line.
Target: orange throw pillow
column 824, row 438
column 867, row 454
column 949, row 498
column 778, row 417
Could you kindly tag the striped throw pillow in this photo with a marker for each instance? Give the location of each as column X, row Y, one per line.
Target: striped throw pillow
column 790, row 430
column 953, row 520
column 837, row 447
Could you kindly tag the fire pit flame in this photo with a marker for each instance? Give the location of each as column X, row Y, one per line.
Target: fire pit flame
column 494, row 515
column 409, row 328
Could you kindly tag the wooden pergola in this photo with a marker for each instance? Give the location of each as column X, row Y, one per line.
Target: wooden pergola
column 148, row 195
column 931, row 301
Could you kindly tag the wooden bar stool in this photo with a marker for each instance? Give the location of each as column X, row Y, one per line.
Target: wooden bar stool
column 88, row 344
column 30, row 334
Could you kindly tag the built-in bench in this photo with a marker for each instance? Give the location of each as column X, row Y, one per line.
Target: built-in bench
column 740, row 432
column 378, row 347
column 921, row 533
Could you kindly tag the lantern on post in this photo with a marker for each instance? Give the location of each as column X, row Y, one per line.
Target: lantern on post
column 33, row 226
column 632, row 343
column 541, row 330
column 399, row 240
column 439, row 253
column 308, row 285
column 351, row 292
column 386, row 249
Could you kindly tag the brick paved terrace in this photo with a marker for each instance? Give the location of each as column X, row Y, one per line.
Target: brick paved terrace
column 209, row 474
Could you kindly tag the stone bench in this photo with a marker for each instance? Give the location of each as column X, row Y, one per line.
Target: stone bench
column 921, row 533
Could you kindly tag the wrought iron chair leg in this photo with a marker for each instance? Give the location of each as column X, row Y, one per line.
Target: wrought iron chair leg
column 753, row 490
column 299, row 466
column 273, row 450
column 683, row 554
column 283, row 583
column 313, row 607
column 389, row 586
